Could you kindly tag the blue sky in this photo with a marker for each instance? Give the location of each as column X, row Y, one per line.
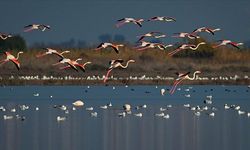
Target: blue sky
column 85, row 20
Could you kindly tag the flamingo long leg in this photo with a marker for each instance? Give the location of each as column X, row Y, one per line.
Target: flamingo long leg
column 56, row 64
column 65, row 67
column 28, row 30
column 120, row 24
column 141, row 49
column 174, row 52
column 40, row 55
column 106, row 77
column 3, row 62
column 174, row 86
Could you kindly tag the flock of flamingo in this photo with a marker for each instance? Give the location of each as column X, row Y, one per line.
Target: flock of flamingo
column 118, row 63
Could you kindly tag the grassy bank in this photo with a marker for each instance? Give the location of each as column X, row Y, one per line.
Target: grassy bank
column 152, row 62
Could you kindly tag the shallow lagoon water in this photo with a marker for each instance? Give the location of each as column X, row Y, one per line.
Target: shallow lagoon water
column 183, row 130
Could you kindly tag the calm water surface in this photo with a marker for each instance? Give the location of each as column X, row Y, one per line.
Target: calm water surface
column 227, row 130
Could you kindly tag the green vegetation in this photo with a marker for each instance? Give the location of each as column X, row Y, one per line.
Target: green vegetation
column 13, row 43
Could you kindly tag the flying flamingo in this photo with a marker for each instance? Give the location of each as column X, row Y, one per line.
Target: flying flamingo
column 185, row 35
column 67, row 61
column 186, row 46
column 31, row 27
column 206, row 29
column 75, row 63
column 182, row 77
column 10, row 57
column 162, row 18
column 152, row 34
column 52, row 51
column 226, row 42
column 4, row 36
column 114, row 46
column 153, row 45
column 115, row 64
column 129, row 20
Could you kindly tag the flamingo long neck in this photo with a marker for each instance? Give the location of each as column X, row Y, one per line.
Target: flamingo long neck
column 194, row 76
column 86, row 63
column 18, row 55
column 126, row 64
column 64, row 52
column 197, row 46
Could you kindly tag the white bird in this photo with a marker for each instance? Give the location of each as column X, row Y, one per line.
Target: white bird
column 123, row 114
column 169, row 106
column 127, row 107
column 163, row 109
column 160, row 114
column 6, row 117
column 93, row 114
column 59, row 118
column 197, row 113
column 138, row 115
column 211, row 114
column 36, row 94
column 89, row 108
column 226, row 106
column 163, row 92
column 186, row 105
column 241, row 112
column 13, row 110
column 110, row 104
column 166, row 116
column 78, row 103
column 248, row 114
column 237, row 108
column 104, row 107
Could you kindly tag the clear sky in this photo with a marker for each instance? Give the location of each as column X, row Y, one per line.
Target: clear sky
column 86, row 20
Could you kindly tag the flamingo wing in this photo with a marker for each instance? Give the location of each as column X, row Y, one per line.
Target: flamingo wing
column 80, row 66
column 16, row 62
column 115, row 48
column 234, row 45
column 72, row 66
column 139, row 24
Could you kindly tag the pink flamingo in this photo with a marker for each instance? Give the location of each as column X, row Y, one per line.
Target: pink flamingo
column 114, row 46
column 228, row 42
column 52, row 51
column 182, row 77
column 115, row 64
column 4, row 36
column 10, row 57
column 186, row 46
column 32, row 27
column 162, row 18
column 129, row 20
